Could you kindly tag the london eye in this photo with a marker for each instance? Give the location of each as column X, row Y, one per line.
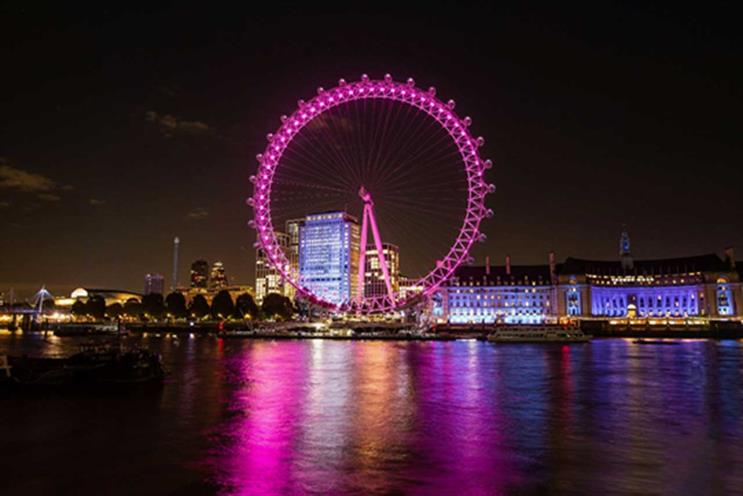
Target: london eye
column 395, row 169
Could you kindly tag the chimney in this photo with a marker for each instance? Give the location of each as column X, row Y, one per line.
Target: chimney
column 487, row 265
column 508, row 265
column 730, row 257
column 553, row 267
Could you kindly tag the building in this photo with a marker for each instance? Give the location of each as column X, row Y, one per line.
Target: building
column 518, row 294
column 217, row 277
column 702, row 286
column 374, row 284
column 684, row 290
column 329, row 255
column 267, row 278
column 409, row 287
column 200, row 274
column 292, row 249
column 154, row 283
column 109, row 295
column 705, row 286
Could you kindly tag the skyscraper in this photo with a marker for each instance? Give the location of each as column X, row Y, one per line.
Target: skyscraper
column 329, row 255
column 374, row 284
column 154, row 283
column 267, row 278
column 217, row 277
column 200, row 274
column 292, row 247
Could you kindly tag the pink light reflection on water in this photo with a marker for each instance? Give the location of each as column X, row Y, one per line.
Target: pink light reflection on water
column 266, row 416
column 337, row 418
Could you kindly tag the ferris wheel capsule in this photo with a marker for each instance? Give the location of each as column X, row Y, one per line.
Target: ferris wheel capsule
column 341, row 82
column 411, row 82
column 320, row 90
column 388, row 78
column 467, row 121
column 482, row 237
column 249, row 201
column 489, row 213
column 259, row 157
column 480, row 141
column 252, row 179
column 283, row 118
column 432, row 91
column 300, row 103
column 269, row 137
column 491, row 188
column 251, row 223
column 451, row 104
column 488, row 164
column 364, row 78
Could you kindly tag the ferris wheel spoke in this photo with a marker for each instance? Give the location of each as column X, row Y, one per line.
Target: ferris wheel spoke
column 298, row 159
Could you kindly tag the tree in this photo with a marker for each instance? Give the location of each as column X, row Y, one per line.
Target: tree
column 96, row 307
column 277, row 305
column 78, row 308
column 153, row 305
column 133, row 308
column 114, row 310
column 199, row 307
column 222, row 305
column 245, row 306
column 175, row 303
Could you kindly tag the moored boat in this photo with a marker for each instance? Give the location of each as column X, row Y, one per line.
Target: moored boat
column 538, row 334
column 94, row 366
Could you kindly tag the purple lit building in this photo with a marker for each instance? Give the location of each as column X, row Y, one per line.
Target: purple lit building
column 696, row 287
column 518, row 294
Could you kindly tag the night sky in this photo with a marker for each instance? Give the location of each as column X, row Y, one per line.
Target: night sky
column 123, row 128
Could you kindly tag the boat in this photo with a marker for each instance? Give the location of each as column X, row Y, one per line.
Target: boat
column 96, row 366
column 538, row 334
column 69, row 330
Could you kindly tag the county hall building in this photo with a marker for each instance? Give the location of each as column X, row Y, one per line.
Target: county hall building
column 695, row 288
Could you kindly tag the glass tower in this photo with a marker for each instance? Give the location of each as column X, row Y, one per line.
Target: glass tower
column 329, row 255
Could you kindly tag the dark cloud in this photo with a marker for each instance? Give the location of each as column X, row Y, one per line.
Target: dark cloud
column 198, row 213
column 170, row 126
column 49, row 197
column 95, row 202
column 17, row 179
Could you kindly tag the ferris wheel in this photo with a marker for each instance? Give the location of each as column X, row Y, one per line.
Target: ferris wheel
column 396, row 169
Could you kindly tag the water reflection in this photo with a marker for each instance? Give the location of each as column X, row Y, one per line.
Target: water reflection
column 328, row 417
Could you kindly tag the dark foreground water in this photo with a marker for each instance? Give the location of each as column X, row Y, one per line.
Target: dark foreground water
column 330, row 417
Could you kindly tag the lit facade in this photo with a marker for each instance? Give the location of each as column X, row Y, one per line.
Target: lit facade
column 329, row 255
column 154, row 283
column 217, row 277
column 409, row 287
column 521, row 294
column 267, row 278
column 699, row 286
column 374, row 284
column 685, row 289
column 200, row 274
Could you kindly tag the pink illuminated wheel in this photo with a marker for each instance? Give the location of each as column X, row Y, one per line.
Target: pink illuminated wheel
column 315, row 155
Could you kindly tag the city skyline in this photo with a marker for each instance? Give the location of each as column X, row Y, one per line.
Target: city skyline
column 586, row 134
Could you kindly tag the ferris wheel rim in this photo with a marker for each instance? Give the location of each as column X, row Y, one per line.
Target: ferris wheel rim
column 387, row 89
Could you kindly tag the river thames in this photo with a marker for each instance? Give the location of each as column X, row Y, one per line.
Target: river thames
column 343, row 417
